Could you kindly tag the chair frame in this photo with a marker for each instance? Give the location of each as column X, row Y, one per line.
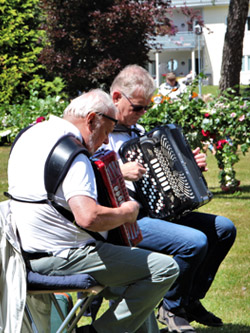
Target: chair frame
column 67, row 322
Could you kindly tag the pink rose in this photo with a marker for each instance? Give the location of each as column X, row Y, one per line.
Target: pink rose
column 205, row 133
column 40, row 119
column 220, row 144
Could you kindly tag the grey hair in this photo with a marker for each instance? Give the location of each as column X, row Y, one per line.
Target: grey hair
column 95, row 100
column 134, row 79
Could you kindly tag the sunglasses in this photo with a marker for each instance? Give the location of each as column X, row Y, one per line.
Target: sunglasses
column 107, row 117
column 136, row 108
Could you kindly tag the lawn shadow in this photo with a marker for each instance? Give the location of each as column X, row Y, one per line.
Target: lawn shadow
column 243, row 193
column 226, row 328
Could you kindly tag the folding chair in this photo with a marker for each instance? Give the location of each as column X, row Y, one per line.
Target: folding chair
column 44, row 284
column 38, row 283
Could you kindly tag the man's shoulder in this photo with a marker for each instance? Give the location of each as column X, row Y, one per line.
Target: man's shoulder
column 164, row 85
column 140, row 128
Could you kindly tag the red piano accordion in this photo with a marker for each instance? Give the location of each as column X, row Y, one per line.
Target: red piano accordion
column 112, row 192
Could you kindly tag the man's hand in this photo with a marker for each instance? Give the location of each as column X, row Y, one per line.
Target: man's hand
column 132, row 209
column 200, row 159
column 132, row 171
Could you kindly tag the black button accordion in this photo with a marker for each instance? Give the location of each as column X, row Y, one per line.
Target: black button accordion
column 173, row 184
column 112, row 192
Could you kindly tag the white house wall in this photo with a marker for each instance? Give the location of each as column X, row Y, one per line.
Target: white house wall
column 215, row 21
column 245, row 74
column 214, row 18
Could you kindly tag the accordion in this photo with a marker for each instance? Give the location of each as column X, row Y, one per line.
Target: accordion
column 173, row 184
column 112, row 192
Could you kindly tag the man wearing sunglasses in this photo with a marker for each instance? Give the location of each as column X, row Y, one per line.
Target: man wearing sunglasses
column 198, row 242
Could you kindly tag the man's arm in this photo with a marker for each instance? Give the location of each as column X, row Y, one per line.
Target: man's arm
column 88, row 214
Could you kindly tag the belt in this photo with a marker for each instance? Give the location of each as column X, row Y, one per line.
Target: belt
column 36, row 255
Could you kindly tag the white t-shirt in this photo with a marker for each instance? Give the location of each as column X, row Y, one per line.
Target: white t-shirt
column 41, row 227
column 166, row 89
column 116, row 139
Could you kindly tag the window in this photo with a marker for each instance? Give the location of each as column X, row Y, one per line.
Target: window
column 153, row 68
column 243, row 64
column 172, row 65
column 248, row 23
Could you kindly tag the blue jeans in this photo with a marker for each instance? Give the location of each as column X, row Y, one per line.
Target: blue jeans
column 198, row 242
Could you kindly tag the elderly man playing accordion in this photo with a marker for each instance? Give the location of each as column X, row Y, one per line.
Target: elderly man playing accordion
column 198, row 242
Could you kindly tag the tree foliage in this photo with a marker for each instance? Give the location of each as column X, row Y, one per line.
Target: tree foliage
column 233, row 45
column 90, row 41
column 20, row 45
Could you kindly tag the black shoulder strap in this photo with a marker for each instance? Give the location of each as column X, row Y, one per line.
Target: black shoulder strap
column 122, row 128
column 59, row 161
column 56, row 167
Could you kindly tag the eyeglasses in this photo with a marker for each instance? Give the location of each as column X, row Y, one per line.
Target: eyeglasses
column 136, row 108
column 107, row 117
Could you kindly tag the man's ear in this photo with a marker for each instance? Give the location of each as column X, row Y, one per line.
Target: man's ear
column 116, row 96
column 91, row 121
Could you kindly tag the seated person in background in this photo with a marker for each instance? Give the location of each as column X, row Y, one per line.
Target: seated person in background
column 198, row 242
column 171, row 88
column 54, row 245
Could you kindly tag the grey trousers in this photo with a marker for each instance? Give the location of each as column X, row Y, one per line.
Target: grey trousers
column 137, row 279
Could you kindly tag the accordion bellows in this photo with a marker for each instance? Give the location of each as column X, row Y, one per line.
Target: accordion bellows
column 173, row 184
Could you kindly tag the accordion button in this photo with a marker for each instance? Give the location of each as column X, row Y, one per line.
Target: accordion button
column 153, row 161
column 156, row 165
column 162, row 179
column 166, row 188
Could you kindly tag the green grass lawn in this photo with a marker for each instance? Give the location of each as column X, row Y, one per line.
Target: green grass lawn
column 229, row 296
column 214, row 90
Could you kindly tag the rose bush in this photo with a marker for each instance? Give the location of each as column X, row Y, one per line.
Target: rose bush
column 223, row 121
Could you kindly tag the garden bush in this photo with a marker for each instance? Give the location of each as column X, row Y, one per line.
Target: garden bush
column 223, row 121
column 18, row 116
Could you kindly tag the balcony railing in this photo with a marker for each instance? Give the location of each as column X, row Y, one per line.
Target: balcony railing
column 183, row 41
column 199, row 3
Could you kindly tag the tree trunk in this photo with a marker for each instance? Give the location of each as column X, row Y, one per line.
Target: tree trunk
column 233, row 45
